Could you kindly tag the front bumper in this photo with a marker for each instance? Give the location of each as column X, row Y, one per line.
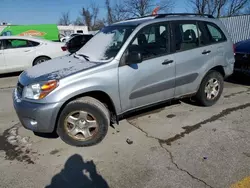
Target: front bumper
column 36, row 116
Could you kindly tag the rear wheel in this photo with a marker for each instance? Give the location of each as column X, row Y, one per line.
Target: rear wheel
column 83, row 122
column 210, row 89
column 40, row 60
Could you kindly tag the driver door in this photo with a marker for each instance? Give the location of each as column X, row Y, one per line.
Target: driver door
column 152, row 80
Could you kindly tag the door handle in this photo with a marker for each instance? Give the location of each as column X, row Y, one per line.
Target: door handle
column 206, row 52
column 166, row 62
column 27, row 50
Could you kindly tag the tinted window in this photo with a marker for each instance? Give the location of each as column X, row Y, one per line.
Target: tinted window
column 151, row 41
column 18, row 43
column 33, row 43
column 1, row 45
column 187, row 36
column 215, row 33
column 75, row 40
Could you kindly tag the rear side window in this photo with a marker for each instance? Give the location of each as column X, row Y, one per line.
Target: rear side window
column 33, row 43
column 215, row 33
column 19, row 43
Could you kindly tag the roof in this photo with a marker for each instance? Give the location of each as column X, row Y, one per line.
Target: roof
column 165, row 17
column 25, row 38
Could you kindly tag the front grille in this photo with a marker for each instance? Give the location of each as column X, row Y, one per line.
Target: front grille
column 19, row 88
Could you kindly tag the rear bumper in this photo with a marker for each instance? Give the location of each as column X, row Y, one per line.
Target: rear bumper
column 35, row 116
column 242, row 66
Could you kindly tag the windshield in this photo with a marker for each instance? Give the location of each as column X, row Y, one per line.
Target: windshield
column 106, row 43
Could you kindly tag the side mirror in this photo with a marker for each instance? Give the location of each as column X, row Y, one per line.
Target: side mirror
column 134, row 58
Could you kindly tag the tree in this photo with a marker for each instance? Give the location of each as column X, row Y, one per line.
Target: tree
column 115, row 13
column 139, row 8
column 119, row 12
column 109, row 12
column 236, row 7
column 78, row 21
column 90, row 15
column 219, row 8
column 65, row 19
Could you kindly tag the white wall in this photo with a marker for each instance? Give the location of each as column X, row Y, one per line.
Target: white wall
column 67, row 30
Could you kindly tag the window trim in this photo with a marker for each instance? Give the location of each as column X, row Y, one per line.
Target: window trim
column 168, row 52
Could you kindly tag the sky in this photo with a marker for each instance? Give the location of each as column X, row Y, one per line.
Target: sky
column 49, row 11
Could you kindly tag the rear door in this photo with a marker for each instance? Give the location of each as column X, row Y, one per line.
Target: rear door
column 192, row 55
column 19, row 53
column 221, row 48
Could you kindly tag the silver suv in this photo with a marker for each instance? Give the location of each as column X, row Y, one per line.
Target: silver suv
column 127, row 66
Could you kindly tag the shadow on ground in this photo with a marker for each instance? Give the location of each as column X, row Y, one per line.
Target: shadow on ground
column 239, row 78
column 52, row 135
column 151, row 110
column 78, row 173
column 13, row 74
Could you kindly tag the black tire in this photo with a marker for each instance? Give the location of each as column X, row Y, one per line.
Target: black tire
column 40, row 60
column 89, row 105
column 201, row 95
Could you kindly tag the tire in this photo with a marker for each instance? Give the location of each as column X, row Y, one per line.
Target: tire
column 40, row 60
column 202, row 97
column 95, row 110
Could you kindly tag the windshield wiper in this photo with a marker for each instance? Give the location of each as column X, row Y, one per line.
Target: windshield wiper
column 82, row 55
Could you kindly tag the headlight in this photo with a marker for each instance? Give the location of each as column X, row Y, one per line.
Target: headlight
column 39, row 90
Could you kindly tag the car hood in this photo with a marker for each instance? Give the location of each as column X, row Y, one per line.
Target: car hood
column 55, row 69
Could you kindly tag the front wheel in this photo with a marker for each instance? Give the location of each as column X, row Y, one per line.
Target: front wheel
column 83, row 122
column 210, row 89
column 40, row 60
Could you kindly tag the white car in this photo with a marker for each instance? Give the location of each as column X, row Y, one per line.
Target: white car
column 19, row 53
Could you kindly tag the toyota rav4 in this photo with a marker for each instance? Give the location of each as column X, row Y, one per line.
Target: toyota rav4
column 126, row 66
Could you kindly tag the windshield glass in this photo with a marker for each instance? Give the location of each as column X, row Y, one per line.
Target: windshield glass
column 106, row 43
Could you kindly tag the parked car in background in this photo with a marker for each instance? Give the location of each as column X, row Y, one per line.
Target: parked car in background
column 125, row 67
column 19, row 53
column 77, row 42
column 242, row 57
column 66, row 38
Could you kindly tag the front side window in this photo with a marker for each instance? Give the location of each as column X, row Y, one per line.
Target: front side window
column 151, row 41
column 216, row 34
column 105, row 45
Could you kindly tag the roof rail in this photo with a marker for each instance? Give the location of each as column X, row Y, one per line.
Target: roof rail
column 183, row 14
column 140, row 17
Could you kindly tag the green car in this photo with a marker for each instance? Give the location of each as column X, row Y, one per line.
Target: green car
column 45, row 31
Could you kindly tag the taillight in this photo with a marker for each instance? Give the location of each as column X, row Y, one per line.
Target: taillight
column 64, row 48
